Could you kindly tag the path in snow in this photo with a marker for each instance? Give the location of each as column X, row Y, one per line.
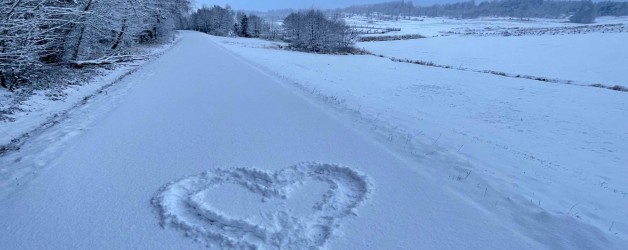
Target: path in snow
column 200, row 109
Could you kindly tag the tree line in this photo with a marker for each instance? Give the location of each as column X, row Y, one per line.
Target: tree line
column 586, row 11
column 310, row 30
column 224, row 21
column 37, row 35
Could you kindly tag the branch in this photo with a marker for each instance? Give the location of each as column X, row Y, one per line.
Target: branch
column 106, row 60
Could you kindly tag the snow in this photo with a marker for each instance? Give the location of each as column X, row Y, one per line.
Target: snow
column 552, row 148
column 39, row 113
column 338, row 152
column 583, row 58
column 40, row 106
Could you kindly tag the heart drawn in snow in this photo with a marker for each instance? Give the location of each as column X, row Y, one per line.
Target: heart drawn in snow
column 196, row 205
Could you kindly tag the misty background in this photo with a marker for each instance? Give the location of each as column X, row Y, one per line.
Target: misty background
column 318, row 4
column 301, row 4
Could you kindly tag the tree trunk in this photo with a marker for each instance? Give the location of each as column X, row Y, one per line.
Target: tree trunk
column 120, row 35
column 3, row 81
column 78, row 44
column 80, row 39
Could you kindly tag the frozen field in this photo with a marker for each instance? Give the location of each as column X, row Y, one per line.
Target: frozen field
column 585, row 58
column 522, row 149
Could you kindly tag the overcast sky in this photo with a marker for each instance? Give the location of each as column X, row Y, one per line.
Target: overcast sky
column 300, row 4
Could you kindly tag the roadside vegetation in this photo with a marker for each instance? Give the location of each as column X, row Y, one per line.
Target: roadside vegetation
column 43, row 42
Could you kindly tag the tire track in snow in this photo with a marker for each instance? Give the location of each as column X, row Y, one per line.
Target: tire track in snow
column 182, row 205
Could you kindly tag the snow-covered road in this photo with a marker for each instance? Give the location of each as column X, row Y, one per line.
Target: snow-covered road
column 199, row 108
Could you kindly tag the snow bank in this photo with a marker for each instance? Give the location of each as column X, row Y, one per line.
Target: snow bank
column 39, row 113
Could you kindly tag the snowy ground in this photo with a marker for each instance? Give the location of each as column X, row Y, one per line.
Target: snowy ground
column 585, row 58
column 555, row 151
column 231, row 143
column 37, row 108
column 39, row 112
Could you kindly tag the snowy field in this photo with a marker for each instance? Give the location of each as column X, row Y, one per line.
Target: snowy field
column 543, row 48
column 593, row 58
column 524, row 150
column 431, row 27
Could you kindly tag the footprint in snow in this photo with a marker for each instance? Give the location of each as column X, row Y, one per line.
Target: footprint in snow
column 247, row 208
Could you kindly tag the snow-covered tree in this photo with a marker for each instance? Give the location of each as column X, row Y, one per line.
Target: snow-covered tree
column 114, row 25
column 256, row 26
column 586, row 14
column 38, row 33
column 31, row 33
column 313, row 31
column 216, row 20
column 271, row 31
column 244, row 26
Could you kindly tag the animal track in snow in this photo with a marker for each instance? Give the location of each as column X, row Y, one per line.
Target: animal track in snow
column 247, row 208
